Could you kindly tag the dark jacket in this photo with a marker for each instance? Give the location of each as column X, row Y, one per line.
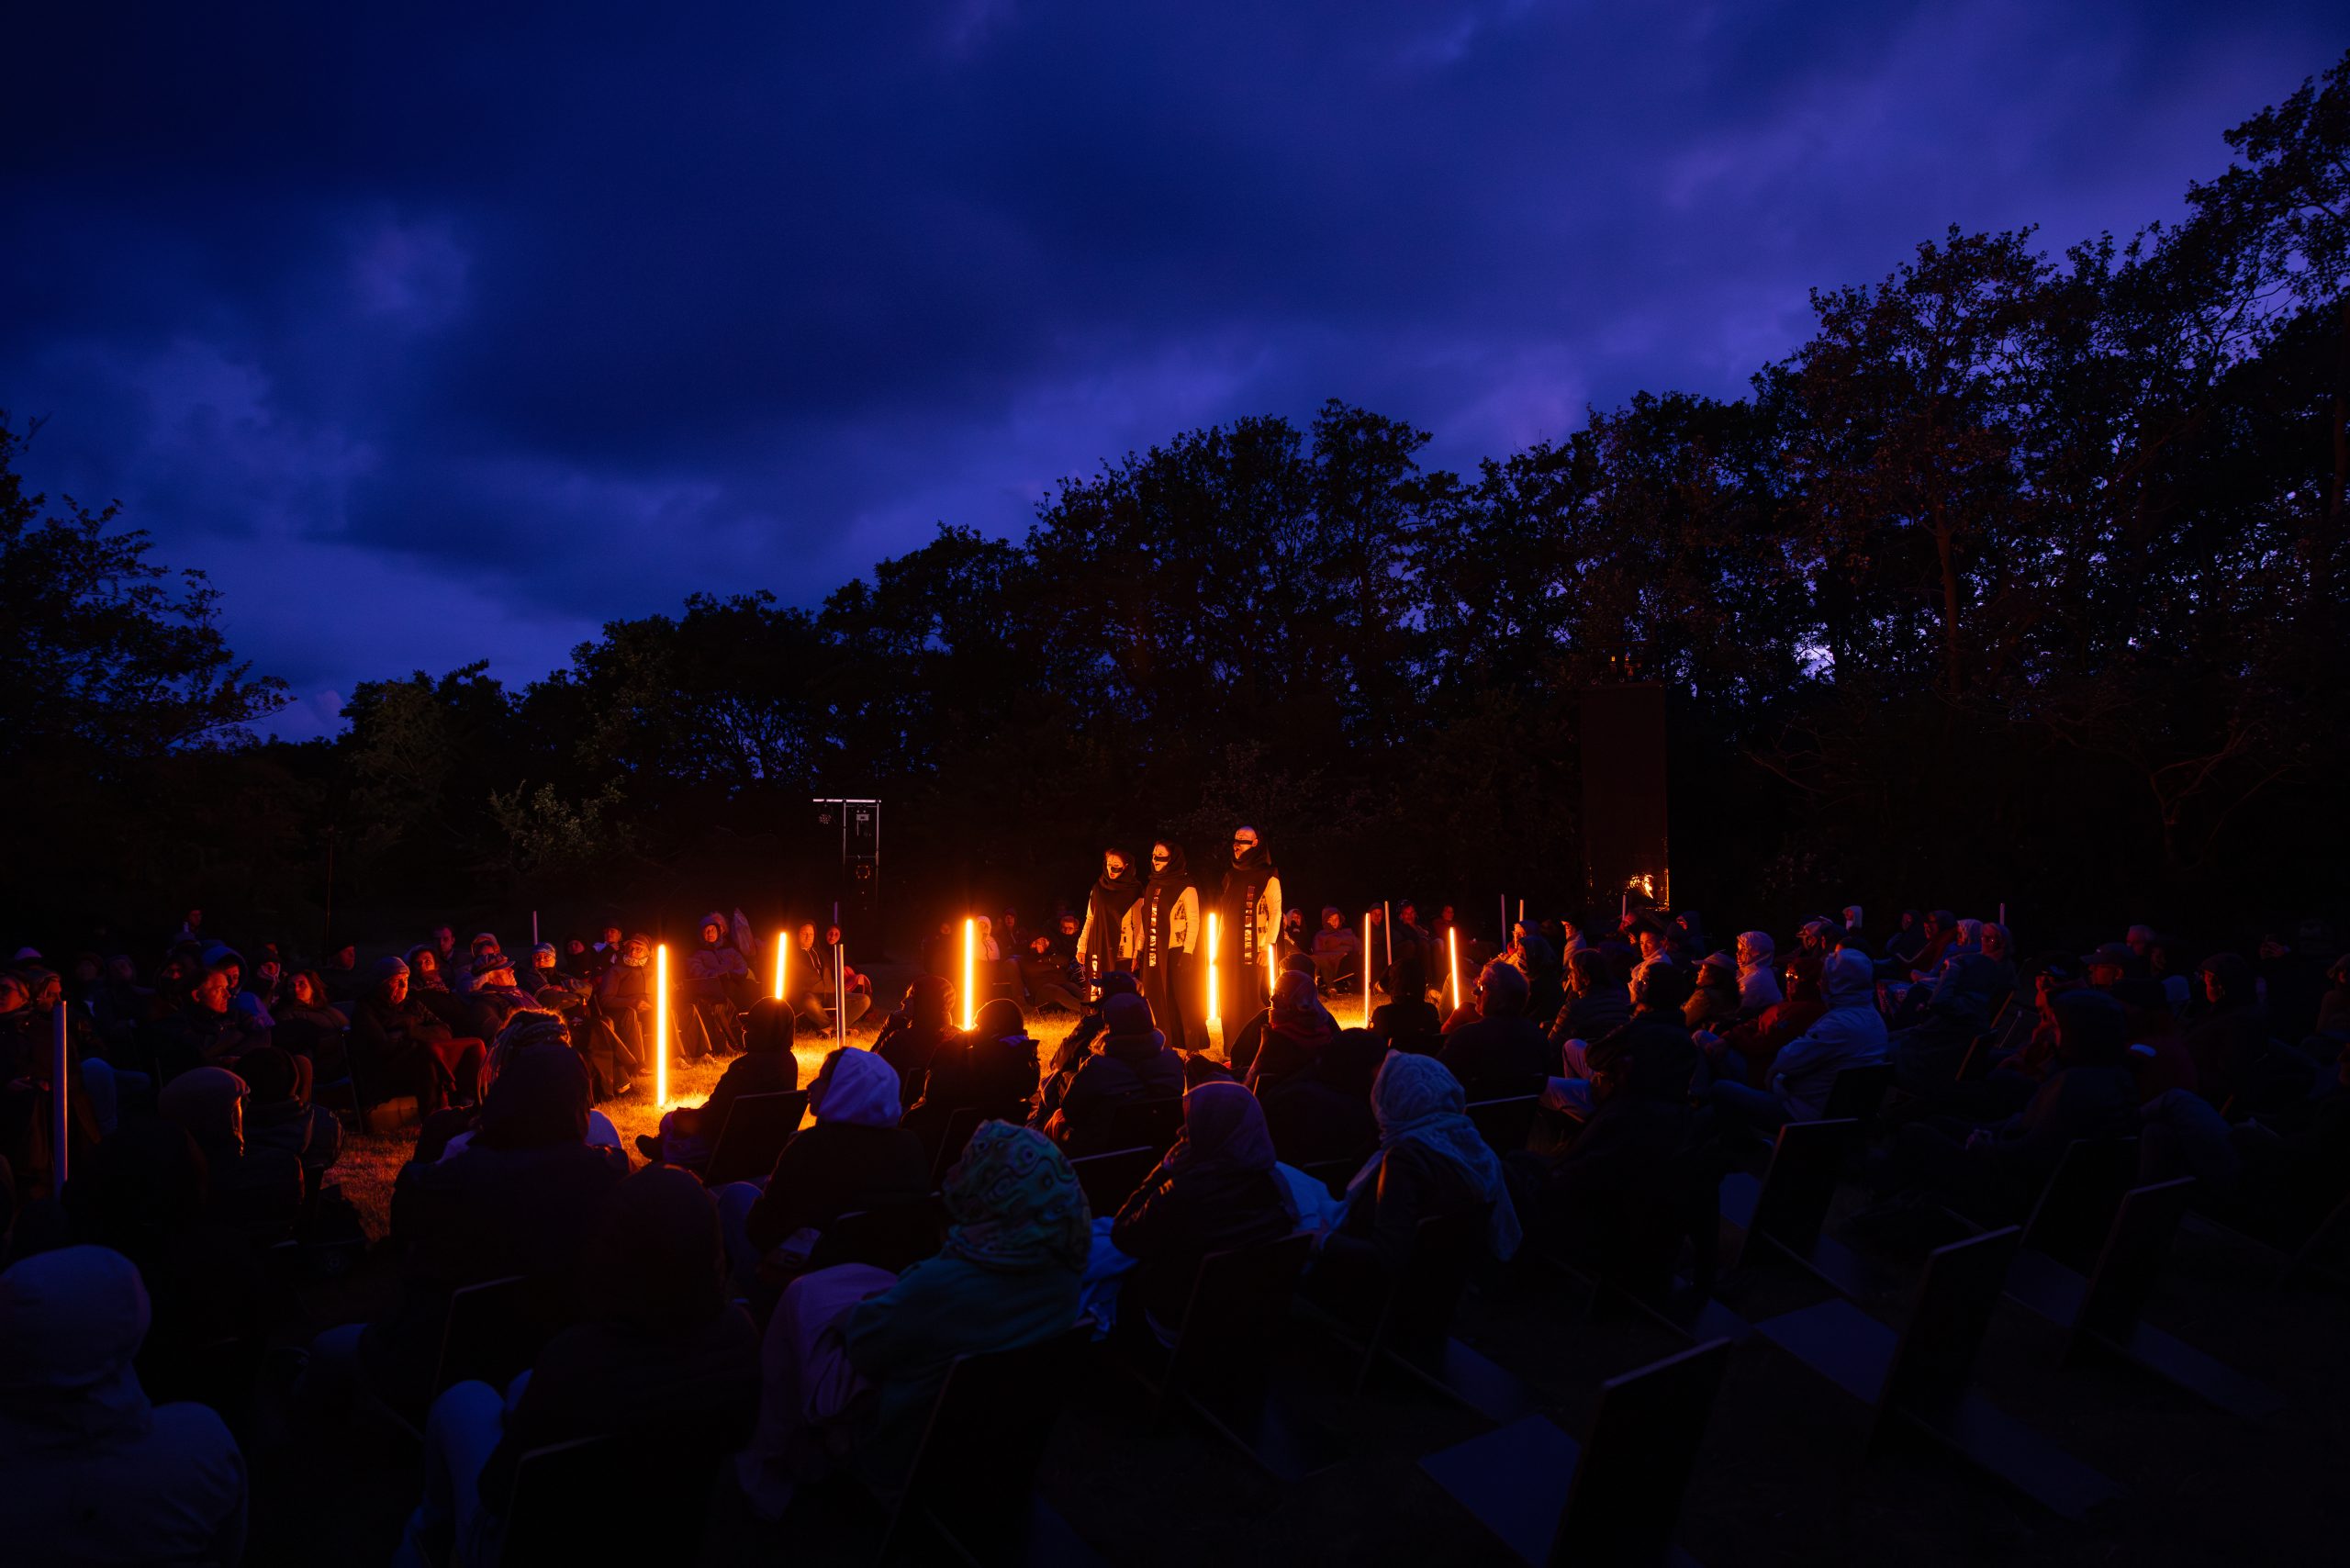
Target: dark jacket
column 2076, row 1103
column 1128, row 1068
column 908, row 1045
column 1651, row 1055
column 993, row 1077
column 1587, row 1018
column 1179, row 1219
column 833, row 1169
column 1413, row 1184
column 1499, row 1058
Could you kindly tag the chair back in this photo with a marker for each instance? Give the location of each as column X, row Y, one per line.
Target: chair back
column 1807, row 1159
column 1935, row 1356
column 1146, row 1124
column 1446, row 1251
column 1109, row 1179
column 889, row 1235
column 1858, row 1092
column 975, row 1471
column 1504, row 1123
column 2075, row 1210
column 960, row 1124
column 1239, row 1305
column 493, row 1330
column 756, row 1129
column 2131, row 1258
column 1637, row 1462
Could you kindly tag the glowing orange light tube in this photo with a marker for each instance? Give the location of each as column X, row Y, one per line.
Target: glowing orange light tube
column 661, row 1024
column 782, row 950
column 1212, row 1014
column 970, row 973
column 1366, row 968
column 1452, row 941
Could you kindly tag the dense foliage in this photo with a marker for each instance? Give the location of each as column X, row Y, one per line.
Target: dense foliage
column 2020, row 580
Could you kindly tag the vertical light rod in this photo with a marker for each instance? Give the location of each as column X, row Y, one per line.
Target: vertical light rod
column 1452, row 940
column 1366, row 968
column 661, row 1025
column 1213, row 1012
column 782, row 952
column 840, row 991
column 970, row 972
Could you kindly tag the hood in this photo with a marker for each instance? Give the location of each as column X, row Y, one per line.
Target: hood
column 70, row 1322
column 1176, row 874
column 857, row 1088
column 1127, row 884
column 1847, row 979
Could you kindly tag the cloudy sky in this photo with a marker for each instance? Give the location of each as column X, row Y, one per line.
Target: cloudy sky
column 445, row 335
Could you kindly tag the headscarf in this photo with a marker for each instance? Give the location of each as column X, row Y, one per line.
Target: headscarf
column 1417, row 1099
column 70, row 1322
column 1223, row 1133
column 209, row 1103
column 1014, row 1205
column 1173, row 874
column 769, row 1028
column 855, row 1088
column 1758, row 979
column 1121, row 887
column 657, row 1261
column 538, row 1100
column 1298, row 1014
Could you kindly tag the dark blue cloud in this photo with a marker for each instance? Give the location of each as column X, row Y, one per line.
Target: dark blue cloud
column 445, row 336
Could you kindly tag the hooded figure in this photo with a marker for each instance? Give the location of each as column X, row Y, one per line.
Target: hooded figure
column 1715, row 1004
column 1133, row 1063
column 1850, row 1033
column 1215, row 1189
column 1297, row 1027
column 1107, row 940
column 855, row 1157
column 1431, row 1158
column 95, row 1473
column 689, row 1135
column 1248, row 919
column 991, row 1067
column 911, row 1034
column 257, row 1191
column 1168, row 934
column 1758, row 973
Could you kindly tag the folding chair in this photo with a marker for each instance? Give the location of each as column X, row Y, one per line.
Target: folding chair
column 973, row 1478
column 894, row 1236
column 1147, row 1124
column 2101, row 1311
column 1922, row 1375
column 1220, row 1366
column 1505, row 1123
column 1612, row 1498
column 1789, row 1207
column 2075, row 1211
column 493, row 1331
column 960, row 1125
column 1109, row 1179
column 1412, row 1324
column 756, row 1129
column 1858, row 1092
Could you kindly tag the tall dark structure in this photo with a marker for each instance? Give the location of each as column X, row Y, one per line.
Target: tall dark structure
column 1624, row 839
column 859, row 890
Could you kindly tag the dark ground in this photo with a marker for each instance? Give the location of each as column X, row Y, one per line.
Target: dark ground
column 1781, row 1479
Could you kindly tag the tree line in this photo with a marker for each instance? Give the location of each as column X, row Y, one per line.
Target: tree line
column 2020, row 579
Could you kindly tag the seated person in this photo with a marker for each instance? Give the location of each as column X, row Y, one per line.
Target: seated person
column 1133, row 1062
column 854, row 1355
column 1408, row 1021
column 1597, row 1001
column 1241, row 1048
column 1431, row 1160
column 991, row 1069
column 912, row 1036
column 520, row 1199
column 1608, row 1204
column 854, row 1157
column 1215, row 1189
column 1715, row 1003
column 1759, row 1039
column 1850, row 1033
column 1651, row 1051
column 1297, row 1029
column 1323, row 1114
column 311, row 1026
column 660, row 1351
column 1338, row 953
column 93, row 1471
column 276, row 1118
column 1047, row 977
column 1077, row 1046
column 402, row 1048
column 689, row 1135
column 256, row 1190
column 1499, row 1054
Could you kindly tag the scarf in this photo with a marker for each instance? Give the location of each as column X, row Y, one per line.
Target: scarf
column 1014, row 1205
column 855, row 1088
column 1164, row 892
column 1298, row 1014
column 1417, row 1099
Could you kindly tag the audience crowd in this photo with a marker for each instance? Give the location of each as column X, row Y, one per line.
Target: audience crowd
column 733, row 1312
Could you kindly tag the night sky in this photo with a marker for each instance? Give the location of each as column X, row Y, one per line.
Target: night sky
column 437, row 336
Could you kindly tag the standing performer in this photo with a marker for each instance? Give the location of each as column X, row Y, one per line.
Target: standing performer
column 1249, row 921
column 1107, row 942
column 1166, row 919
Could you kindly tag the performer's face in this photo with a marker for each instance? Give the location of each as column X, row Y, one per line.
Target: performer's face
column 1242, row 843
column 1159, row 858
column 1114, row 864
